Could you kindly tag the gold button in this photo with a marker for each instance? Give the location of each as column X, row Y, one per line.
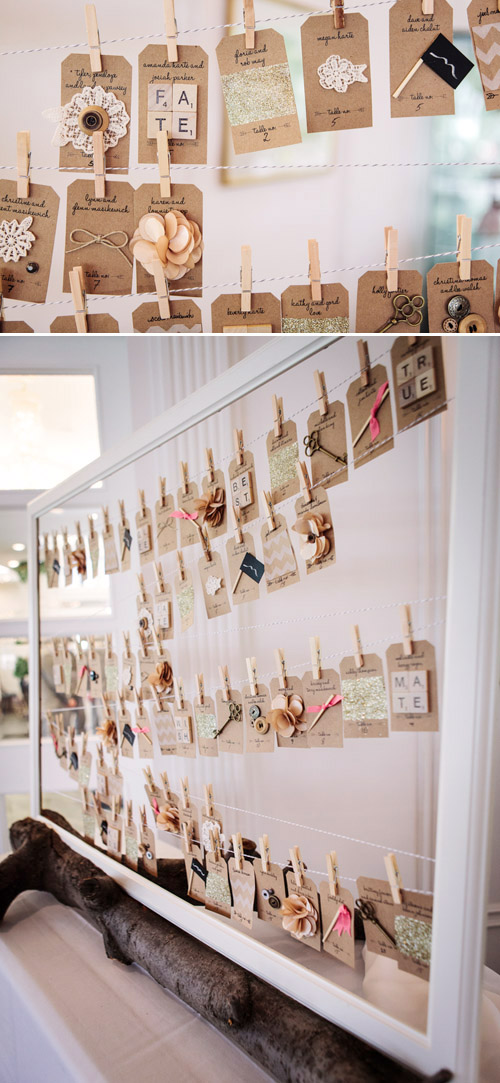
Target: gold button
column 472, row 325
column 261, row 725
column 93, row 119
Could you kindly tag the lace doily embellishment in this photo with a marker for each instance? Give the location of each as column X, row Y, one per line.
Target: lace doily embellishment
column 16, row 239
column 66, row 117
column 337, row 73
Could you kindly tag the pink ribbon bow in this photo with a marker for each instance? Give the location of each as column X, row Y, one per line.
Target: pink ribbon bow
column 156, row 807
column 343, row 922
column 183, row 514
column 140, row 729
column 374, row 425
column 323, row 706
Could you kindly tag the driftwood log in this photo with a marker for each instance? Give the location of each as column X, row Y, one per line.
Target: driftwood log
column 290, row 1042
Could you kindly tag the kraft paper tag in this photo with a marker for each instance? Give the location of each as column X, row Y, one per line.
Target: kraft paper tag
column 320, row 506
column 116, row 79
column 72, row 753
column 484, row 23
column 247, row 589
column 360, row 402
column 106, row 268
column 443, row 283
column 413, row 688
column 195, row 872
column 258, row 92
column 339, row 942
column 243, row 492
column 94, row 552
column 230, row 728
column 418, row 379
column 148, row 851
column 330, row 434
column 206, row 727
column 184, row 593
column 327, row 731
column 84, row 769
column 124, row 543
column 337, row 76
column 364, row 698
column 217, row 893
column 147, row 664
column 115, row 782
column 207, row 486
column 185, row 318
column 41, row 206
column 166, row 527
column 142, row 733
column 184, row 731
column 98, row 323
column 300, row 315
column 279, row 557
column 128, row 676
column 293, row 685
column 188, row 199
column 131, row 846
column 270, row 891
column 102, row 783
column 89, row 825
column 115, row 837
column 165, row 729
column 126, row 735
column 255, row 740
column 111, row 675
column 96, row 671
column 158, row 79
column 186, row 502
column 111, row 563
column 283, row 454
column 413, row 932
column 145, row 615
column 144, row 536
column 374, row 303
column 310, row 891
column 243, row 890
column 410, row 34
column 164, row 613
column 214, row 584
column 378, row 893
column 265, row 317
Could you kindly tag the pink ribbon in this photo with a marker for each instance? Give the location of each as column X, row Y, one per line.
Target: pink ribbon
column 156, row 807
column 183, row 515
column 374, row 425
column 322, row 706
column 140, row 729
column 343, row 922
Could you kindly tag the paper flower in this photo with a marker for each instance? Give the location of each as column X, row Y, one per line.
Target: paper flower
column 285, row 714
column 145, row 622
column 79, row 560
column 171, row 238
column 212, row 506
column 315, row 545
column 168, row 819
column 91, row 110
column 299, row 916
column 15, row 239
column 161, row 677
column 107, row 732
column 337, row 73
column 213, row 584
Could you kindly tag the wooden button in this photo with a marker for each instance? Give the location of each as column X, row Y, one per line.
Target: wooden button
column 261, row 725
column 93, row 119
column 472, row 325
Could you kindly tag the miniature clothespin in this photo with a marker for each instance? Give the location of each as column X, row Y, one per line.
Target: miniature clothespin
column 391, row 258
column 333, row 873
column 128, row 809
column 364, row 362
column 185, row 793
column 225, row 682
column 161, row 288
column 239, row 446
column 139, row 702
column 304, row 480
column 186, row 838
column 279, row 656
column 265, row 853
column 246, row 278
column 252, row 675
column 394, row 878
column 209, row 799
column 148, row 775
column 200, row 688
column 277, row 415
column 297, row 865
column 23, row 165
column 142, row 503
column 338, row 13
column 183, row 467
column 100, row 754
column 105, row 703
column 321, row 392
column 428, row 7
column 238, row 850
column 142, row 586
column 215, row 841
column 205, row 541
column 464, row 241
column 92, row 531
column 269, row 509
column 315, row 649
column 126, row 640
column 109, row 645
column 166, row 786
column 158, row 641
column 179, row 692
column 164, row 163
column 162, row 482
column 249, row 19
column 171, row 29
column 160, row 582
column 209, row 458
column 314, row 270
column 358, row 652
column 180, row 566
column 96, row 800
column 77, row 287
column 406, row 629
column 236, row 516
column 93, row 39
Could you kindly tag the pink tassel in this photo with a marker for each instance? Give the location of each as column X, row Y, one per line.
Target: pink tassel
column 343, row 922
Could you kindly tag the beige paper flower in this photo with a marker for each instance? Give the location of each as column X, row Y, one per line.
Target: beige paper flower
column 161, row 677
column 171, row 238
column 315, row 545
column 299, row 916
column 212, row 506
column 107, row 732
column 168, row 819
column 285, row 714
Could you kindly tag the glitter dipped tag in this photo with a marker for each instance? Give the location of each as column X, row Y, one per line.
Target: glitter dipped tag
column 337, row 77
column 300, row 315
column 184, row 593
column 206, row 727
column 217, row 893
column 413, row 933
column 283, row 453
column 258, row 92
column 364, row 704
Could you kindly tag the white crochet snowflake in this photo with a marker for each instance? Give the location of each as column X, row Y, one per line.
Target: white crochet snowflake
column 66, row 116
column 205, row 834
column 337, row 73
column 213, row 584
column 15, row 239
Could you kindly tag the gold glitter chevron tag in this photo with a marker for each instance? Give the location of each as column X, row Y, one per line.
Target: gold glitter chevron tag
column 258, row 92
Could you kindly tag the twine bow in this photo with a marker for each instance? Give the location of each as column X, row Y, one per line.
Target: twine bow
column 100, row 238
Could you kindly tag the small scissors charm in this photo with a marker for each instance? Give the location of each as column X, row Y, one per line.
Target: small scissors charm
column 405, row 308
column 368, row 913
column 312, row 444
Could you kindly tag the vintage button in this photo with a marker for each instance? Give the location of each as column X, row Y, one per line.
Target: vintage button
column 450, row 325
column 32, row 268
column 275, row 902
column 458, row 307
column 93, row 675
column 254, row 712
column 149, row 855
column 267, row 892
column 472, row 325
column 262, row 725
column 93, row 119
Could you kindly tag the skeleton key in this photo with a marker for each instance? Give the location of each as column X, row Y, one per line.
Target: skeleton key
column 312, row 444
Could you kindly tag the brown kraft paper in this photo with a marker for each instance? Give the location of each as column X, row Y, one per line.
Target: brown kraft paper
column 327, row 731
column 257, row 125
column 106, row 268
column 327, row 109
column 241, row 481
column 265, row 316
column 364, row 709
column 255, row 741
column 98, row 323
column 410, row 34
column 185, row 317
column 378, row 892
column 186, row 198
column 230, row 733
column 116, row 78
column 330, row 315
column 279, row 557
column 360, row 401
column 421, row 693
column 418, row 379
column 293, row 686
column 319, row 505
column 247, row 590
column 191, row 68
column 41, row 206
column 443, row 282
column 214, row 585
column 310, row 891
column 374, row 303
column 273, row 883
column 331, row 435
column 341, row 946
column 484, row 23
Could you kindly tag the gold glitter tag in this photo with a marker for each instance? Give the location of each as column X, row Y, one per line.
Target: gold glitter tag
column 364, row 698
column 186, row 601
column 413, row 938
column 206, row 725
column 291, row 326
column 258, row 94
column 282, row 465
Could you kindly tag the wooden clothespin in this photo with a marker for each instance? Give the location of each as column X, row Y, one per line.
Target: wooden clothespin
column 265, row 853
column 144, row 643
column 186, row 838
column 279, row 656
column 209, row 458
column 314, row 271
column 158, row 641
column 161, row 288
column 171, row 29
column 100, row 754
column 93, row 39
column 138, row 700
column 394, row 878
column 77, row 287
column 205, row 541
column 225, row 682
column 464, row 241
column 157, row 697
column 183, row 467
column 164, row 163
column 249, row 19
column 238, row 849
column 96, row 800
column 209, row 799
column 333, row 873
column 236, row 515
column 126, row 640
column 215, row 841
column 166, row 786
column 315, row 649
column 85, row 738
column 428, row 7
column 91, row 523
column 143, row 816
column 128, row 813
column 252, row 675
column 364, row 362
column 358, row 652
column 200, row 688
column 246, row 278
column 23, row 165
column 148, row 775
column 180, row 566
column 105, row 704
column 321, row 392
column 179, row 692
column 239, row 446
column 163, row 491
column 99, row 160
column 277, row 415
column 269, row 509
column 160, row 582
column 142, row 502
column 304, row 480
column 142, row 586
column 185, row 792
column 109, row 645
column 391, row 258
column 338, row 13
column 406, row 629
column 297, row 865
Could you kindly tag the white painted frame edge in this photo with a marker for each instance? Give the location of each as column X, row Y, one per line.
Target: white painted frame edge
column 452, row 1039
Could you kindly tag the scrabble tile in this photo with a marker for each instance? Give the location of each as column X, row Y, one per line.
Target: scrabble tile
column 185, row 98
column 419, row 703
column 401, row 702
column 159, row 97
column 159, row 121
column 183, row 729
column 183, row 125
column 400, row 681
column 163, row 614
column 114, row 839
column 417, row 680
column 242, row 490
column 144, row 538
column 423, row 360
column 407, row 393
column 425, row 384
column 405, row 371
